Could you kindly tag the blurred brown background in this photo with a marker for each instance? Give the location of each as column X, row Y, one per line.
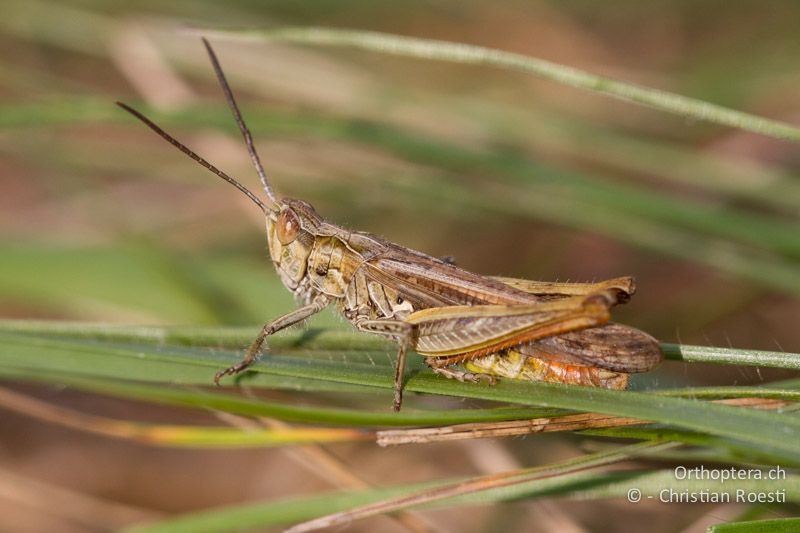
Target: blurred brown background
column 102, row 221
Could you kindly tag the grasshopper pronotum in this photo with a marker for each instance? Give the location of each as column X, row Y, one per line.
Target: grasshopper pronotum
column 493, row 326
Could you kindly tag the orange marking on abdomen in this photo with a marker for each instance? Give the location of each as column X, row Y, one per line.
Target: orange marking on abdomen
column 514, row 365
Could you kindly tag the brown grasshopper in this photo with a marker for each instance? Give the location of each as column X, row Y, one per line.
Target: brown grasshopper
column 493, row 326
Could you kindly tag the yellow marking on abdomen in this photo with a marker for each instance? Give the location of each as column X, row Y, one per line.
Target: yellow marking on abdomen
column 514, row 365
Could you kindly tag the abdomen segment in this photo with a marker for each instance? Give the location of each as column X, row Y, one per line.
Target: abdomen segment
column 512, row 364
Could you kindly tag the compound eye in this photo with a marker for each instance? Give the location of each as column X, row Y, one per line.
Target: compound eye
column 288, row 226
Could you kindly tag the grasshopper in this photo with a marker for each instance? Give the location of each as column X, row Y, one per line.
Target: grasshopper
column 492, row 326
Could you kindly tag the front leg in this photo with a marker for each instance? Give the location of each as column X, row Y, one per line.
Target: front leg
column 289, row 319
column 401, row 332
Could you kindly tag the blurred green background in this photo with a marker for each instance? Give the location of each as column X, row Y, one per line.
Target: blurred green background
column 102, row 221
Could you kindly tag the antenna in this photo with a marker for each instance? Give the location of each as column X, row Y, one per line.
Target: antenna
column 183, row 148
column 248, row 139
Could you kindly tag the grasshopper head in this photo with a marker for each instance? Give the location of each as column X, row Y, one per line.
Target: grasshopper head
column 290, row 234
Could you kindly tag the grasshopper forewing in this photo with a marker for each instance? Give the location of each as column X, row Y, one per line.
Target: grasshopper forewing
column 504, row 327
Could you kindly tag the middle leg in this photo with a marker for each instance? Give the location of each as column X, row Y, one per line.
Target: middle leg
column 401, row 332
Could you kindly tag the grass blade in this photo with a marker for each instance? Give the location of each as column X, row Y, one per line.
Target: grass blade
column 478, row 55
column 181, row 436
column 476, row 486
column 63, row 361
column 779, row 525
column 260, row 515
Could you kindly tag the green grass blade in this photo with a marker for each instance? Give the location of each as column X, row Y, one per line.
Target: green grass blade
column 478, row 55
column 289, row 511
column 333, row 339
column 175, row 363
column 175, row 435
column 778, row 525
column 583, row 485
column 477, row 489
column 733, row 356
column 718, row 449
column 292, row 412
column 251, row 516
